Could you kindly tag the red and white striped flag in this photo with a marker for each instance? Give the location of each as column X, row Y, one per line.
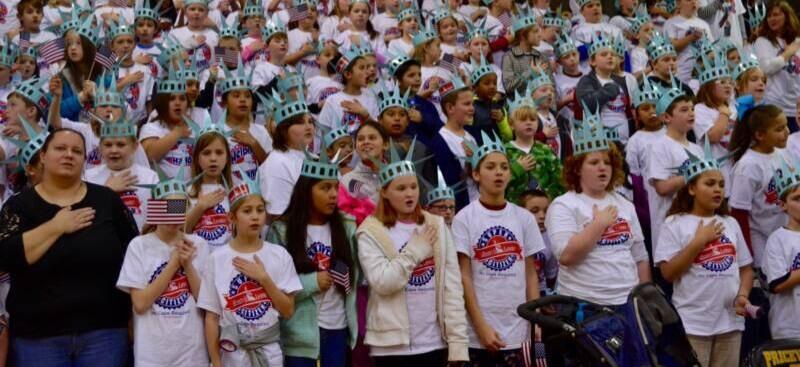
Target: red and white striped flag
column 24, row 40
column 450, row 63
column 118, row 3
column 169, row 211
column 104, row 56
column 226, row 55
column 340, row 274
column 298, row 13
column 52, row 51
column 506, row 20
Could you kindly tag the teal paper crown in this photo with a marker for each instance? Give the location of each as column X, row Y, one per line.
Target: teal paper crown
column 439, row 192
column 427, row 32
column 286, row 107
column 490, row 144
column 170, row 49
column 600, row 43
column 244, row 188
column 391, row 98
column 8, row 53
column 119, row 128
column 538, row 80
column 396, row 167
column 703, row 47
column 333, row 135
column 28, row 149
column 171, row 85
column 186, row 3
column 230, row 31
column 351, row 55
column 454, row 85
column 521, row 101
column 786, row 178
column 190, row 73
column 291, row 80
column 167, row 186
column 756, row 15
column 271, row 29
column 477, row 30
column 441, row 14
column 353, row 2
column 698, row 165
column 670, row 5
column 480, row 70
column 589, row 134
column 86, row 30
column 253, row 9
column 524, row 19
column 396, row 61
column 554, row 19
column 209, row 127
column 748, row 62
column 641, row 17
column 619, row 45
column 142, row 9
column 659, row 47
column 725, row 45
column 121, row 28
column 667, row 97
column 237, row 79
column 108, row 96
column 714, row 67
column 648, row 93
column 71, row 20
column 582, row 3
column 406, row 12
column 312, row 4
column 29, row 52
column 31, row 90
column 563, row 44
column 322, row 168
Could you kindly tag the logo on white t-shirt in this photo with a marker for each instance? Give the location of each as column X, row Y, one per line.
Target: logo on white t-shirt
column 3, row 13
column 498, row 249
column 795, row 263
column 436, row 97
column 177, row 292
column 241, row 157
column 131, row 201
column 327, row 92
column 423, row 272
column 3, row 107
column 616, row 234
column 132, row 95
column 718, row 255
column 213, row 224
column 247, row 299
column 771, row 193
column 180, row 154
column 320, row 255
column 94, row 157
column 351, row 120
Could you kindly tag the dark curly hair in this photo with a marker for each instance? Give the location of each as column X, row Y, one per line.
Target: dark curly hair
column 571, row 175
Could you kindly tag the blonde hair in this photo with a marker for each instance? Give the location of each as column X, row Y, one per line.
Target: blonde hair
column 523, row 113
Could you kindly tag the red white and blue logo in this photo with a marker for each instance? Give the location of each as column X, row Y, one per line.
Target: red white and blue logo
column 718, row 255
column 3, row 13
column 94, row 158
column 320, row 255
column 132, row 96
column 242, row 158
column 795, row 263
column 131, row 201
column 771, row 192
column 436, row 97
column 214, row 224
column 327, row 92
column 539, row 259
column 247, row 299
column 180, row 154
column 422, row 273
column 498, row 249
column 351, row 120
column 616, row 234
column 177, row 292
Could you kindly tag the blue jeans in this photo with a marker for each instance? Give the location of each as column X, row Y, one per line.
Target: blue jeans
column 332, row 350
column 105, row 347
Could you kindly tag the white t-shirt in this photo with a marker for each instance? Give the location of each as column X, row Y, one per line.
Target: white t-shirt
column 5, row 286
column 613, row 112
column 180, row 155
column 333, row 114
column 497, row 243
column 8, row 16
column 297, row 39
column 171, row 331
column 638, row 149
column 330, row 304
column 400, row 46
column 639, row 59
column 242, row 157
column 428, row 75
column 608, row 273
column 277, row 176
column 584, row 32
column 264, row 72
column 137, row 94
column 754, row 189
column 704, row 118
column 662, row 166
column 565, row 85
column 241, row 301
column 456, row 145
column 793, row 147
column 321, row 87
column 343, row 40
column 704, row 295
column 781, row 257
column 51, row 15
column 677, row 28
column 136, row 199
column 420, row 294
column 214, row 226
column 383, row 22
column 188, row 41
column 783, row 78
column 547, row 119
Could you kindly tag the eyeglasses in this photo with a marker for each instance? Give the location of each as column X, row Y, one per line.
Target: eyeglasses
column 444, row 207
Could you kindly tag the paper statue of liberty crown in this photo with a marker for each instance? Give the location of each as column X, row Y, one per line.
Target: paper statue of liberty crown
column 142, row 9
column 237, row 79
column 702, row 47
column 115, row 128
column 520, row 101
column 8, row 53
column 748, row 62
column 84, row 29
column 264, row 106
column 230, row 31
column 167, row 186
column 648, row 93
column 725, row 45
column 271, row 29
column 396, row 167
column 477, row 30
column 668, row 96
column 351, row 55
column 641, row 17
column 698, row 165
column 427, row 32
column 29, row 52
column 108, row 96
column 582, row 3
column 186, row 3
column 253, row 9
column 524, row 19
column 244, row 188
column 287, row 107
column 439, row 192
column 553, row 19
column 291, row 80
column 756, row 14
column 209, row 127
column 563, row 44
column 119, row 28
column 490, row 144
column 190, row 72
column 28, row 149
column 71, row 20
column 589, row 135
column 322, row 168
column 32, row 91
column 312, row 4
column 538, row 80
column 353, row 2
column 454, row 85
column 441, row 14
column 396, row 61
column 670, row 5
column 330, row 136
column 619, row 45
column 170, row 49
column 480, row 70
column 714, row 67
column 600, row 43
column 659, row 47
column 407, row 12
column 786, row 178
column 389, row 98
column 172, row 84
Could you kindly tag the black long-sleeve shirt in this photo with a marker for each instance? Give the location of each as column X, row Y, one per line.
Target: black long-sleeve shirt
column 72, row 288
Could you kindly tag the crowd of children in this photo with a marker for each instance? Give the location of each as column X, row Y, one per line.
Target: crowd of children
column 383, row 182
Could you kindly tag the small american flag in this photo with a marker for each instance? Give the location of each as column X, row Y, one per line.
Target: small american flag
column 52, row 51
column 226, row 55
column 170, row 211
column 118, row 3
column 104, row 56
column 506, row 20
column 24, row 40
column 340, row 274
column 298, row 13
column 450, row 63
column 533, row 350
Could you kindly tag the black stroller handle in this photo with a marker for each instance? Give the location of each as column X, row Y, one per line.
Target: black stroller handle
column 528, row 311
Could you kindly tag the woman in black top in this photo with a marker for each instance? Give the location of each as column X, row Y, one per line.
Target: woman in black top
column 63, row 242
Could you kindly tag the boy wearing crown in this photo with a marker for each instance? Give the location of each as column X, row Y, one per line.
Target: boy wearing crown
column 663, row 62
column 489, row 116
column 566, row 77
column 684, row 30
column 592, row 27
column 197, row 35
column 30, row 18
column 134, row 81
column 145, row 28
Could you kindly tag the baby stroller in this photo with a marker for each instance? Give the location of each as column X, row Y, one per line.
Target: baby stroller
column 646, row 331
column 775, row 353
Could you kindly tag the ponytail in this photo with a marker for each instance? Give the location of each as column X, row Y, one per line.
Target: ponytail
column 756, row 119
